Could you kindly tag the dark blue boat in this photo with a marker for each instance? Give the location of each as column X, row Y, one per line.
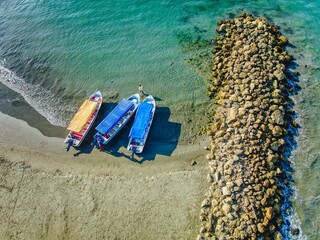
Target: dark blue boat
column 115, row 120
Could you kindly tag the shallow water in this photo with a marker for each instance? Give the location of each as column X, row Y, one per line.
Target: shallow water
column 56, row 53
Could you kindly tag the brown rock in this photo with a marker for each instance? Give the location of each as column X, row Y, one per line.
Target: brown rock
column 208, row 156
column 233, row 98
column 264, row 201
column 277, row 236
column 232, row 114
column 277, row 131
column 226, row 208
column 283, row 40
column 226, row 191
column 296, row 124
column 214, row 202
column 239, row 182
column 245, row 202
column 266, row 183
column 269, row 213
column 248, row 105
column 241, row 112
column 205, row 203
column 275, row 145
column 279, row 75
column 222, row 28
column 272, row 158
column 261, row 228
column 277, row 117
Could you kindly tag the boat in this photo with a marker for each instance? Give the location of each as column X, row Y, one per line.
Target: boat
column 115, row 121
column 141, row 125
column 83, row 120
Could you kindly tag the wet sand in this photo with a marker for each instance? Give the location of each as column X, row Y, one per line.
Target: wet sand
column 47, row 193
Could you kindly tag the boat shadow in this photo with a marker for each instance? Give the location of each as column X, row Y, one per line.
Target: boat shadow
column 163, row 136
column 162, row 139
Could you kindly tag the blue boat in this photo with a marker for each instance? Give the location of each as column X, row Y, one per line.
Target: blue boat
column 115, row 121
column 141, row 125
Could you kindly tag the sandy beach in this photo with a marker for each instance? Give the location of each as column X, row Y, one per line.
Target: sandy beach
column 47, row 193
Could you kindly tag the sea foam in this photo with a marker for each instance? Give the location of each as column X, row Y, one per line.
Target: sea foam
column 41, row 99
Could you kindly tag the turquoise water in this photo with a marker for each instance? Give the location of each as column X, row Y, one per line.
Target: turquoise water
column 56, row 53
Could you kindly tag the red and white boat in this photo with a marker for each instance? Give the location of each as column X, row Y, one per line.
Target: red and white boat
column 83, row 120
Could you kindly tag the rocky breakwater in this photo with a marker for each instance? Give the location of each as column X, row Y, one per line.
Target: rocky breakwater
column 247, row 131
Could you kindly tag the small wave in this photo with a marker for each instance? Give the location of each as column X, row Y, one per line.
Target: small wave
column 39, row 98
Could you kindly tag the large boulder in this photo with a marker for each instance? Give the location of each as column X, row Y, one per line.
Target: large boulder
column 232, row 114
column 277, row 117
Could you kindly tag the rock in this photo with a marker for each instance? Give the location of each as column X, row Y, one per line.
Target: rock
column 252, row 86
column 222, row 28
column 239, row 182
column 217, row 176
column 226, row 208
column 220, row 228
column 233, row 98
column 266, row 183
column 283, row 40
column 230, row 216
column 295, row 124
column 232, row 114
column 245, row 202
column 248, row 105
column 208, row 157
column 277, row 236
column 277, row 117
column 235, row 207
column 279, row 75
column 269, row 213
column 242, row 75
column 261, row 26
column 226, row 191
column 219, row 133
column 272, row 158
column 275, row 146
column 277, row 131
column 264, row 201
column 193, row 163
column 205, row 203
column 249, row 86
column 261, row 228
column 214, row 202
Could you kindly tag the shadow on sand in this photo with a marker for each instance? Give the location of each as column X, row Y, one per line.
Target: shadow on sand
column 162, row 139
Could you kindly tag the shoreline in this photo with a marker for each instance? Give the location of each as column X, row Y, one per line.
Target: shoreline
column 47, row 193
